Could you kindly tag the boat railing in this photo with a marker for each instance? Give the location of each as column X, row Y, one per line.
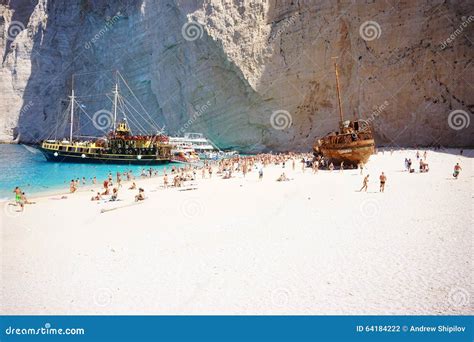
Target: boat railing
column 349, row 138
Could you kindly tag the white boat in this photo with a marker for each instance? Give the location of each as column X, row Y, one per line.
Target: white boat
column 184, row 155
column 201, row 145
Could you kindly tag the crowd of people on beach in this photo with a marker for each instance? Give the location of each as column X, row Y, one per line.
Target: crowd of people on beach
column 178, row 176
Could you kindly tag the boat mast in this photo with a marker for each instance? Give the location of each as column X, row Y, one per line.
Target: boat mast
column 72, row 97
column 115, row 104
column 341, row 118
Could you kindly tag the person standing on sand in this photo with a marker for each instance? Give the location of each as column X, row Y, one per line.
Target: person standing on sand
column 293, row 163
column 72, row 186
column 361, row 167
column 341, row 167
column 260, row 173
column 17, row 192
column 315, row 166
column 383, row 179
column 331, row 166
column 119, row 179
column 365, row 184
column 457, row 169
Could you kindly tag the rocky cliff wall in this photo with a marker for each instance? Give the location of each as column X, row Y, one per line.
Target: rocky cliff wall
column 254, row 75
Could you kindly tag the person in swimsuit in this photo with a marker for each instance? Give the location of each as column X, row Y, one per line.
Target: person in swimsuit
column 383, row 179
column 72, row 186
column 97, row 197
column 457, row 169
column 365, row 184
column 140, row 196
column 25, row 200
column 114, row 194
column 17, row 192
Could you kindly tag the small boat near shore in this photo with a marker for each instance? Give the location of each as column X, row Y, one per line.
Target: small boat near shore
column 118, row 146
column 352, row 144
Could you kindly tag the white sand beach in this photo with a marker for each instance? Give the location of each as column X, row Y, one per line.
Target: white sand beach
column 312, row 245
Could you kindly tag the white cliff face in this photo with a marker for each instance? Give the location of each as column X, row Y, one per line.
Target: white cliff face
column 255, row 75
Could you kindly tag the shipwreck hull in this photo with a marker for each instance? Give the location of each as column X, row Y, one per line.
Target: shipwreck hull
column 351, row 153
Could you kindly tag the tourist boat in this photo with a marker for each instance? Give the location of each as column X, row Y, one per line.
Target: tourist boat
column 119, row 146
column 352, row 144
column 201, row 145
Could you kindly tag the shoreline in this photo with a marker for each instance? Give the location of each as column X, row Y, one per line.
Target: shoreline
column 61, row 190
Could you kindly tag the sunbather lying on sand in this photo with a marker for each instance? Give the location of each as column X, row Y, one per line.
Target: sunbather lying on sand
column 97, row 197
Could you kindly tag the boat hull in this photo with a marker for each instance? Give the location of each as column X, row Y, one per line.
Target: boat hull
column 73, row 157
column 351, row 153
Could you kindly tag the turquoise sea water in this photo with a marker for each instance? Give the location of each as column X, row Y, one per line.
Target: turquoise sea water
column 26, row 167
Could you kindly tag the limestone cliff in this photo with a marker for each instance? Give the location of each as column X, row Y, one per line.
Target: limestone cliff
column 254, row 75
